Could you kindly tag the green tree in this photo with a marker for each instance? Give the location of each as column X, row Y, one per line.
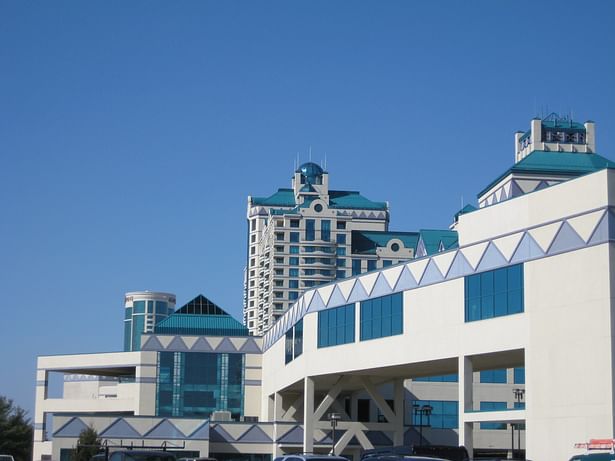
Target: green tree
column 16, row 432
column 87, row 445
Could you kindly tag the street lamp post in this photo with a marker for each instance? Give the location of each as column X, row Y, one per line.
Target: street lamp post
column 333, row 418
column 518, row 393
column 424, row 410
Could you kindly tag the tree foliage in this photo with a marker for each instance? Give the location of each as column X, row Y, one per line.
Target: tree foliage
column 16, row 432
column 87, row 446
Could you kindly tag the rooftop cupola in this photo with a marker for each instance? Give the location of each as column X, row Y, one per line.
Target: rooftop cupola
column 555, row 133
column 311, row 180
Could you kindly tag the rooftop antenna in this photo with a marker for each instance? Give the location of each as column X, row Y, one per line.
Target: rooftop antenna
column 325, row 161
column 297, row 161
column 310, row 151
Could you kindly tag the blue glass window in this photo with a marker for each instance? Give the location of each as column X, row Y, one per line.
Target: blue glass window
column 493, row 376
column 161, row 307
column 298, row 343
column 336, row 326
column 519, row 375
column 325, row 261
column 293, row 272
column 356, row 266
column 381, row 317
column 309, row 271
column 494, row 293
column 309, row 249
column 325, row 230
column 288, row 346
column 341, row 225
column 310, row 230
column 444, row 414
column 341, row 238
column 293, row 261
column 294, row 250
column 341, row 274
column 292, row 295
column 293, row 284
column 386, row 262
column 294, row 237
column 309, row 260
column 294, row 223
column 309, row 283
column 371, row 264
column 138, row 307
column 150, row 307
column 493, row 406
column 340, row 262
column 128, row 313
column 340, row 251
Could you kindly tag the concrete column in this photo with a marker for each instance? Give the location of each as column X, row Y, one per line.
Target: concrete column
column 308, row 415
column 466, row 371
column 277, row 412
column 536, row 135
column 398, row 392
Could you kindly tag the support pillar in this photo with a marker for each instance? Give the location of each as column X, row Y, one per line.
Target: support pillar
column 308, row 415
column 466, row 403
column 398, row 392
column 277, row 413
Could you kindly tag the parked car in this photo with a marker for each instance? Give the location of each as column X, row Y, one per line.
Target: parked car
column 406, row 453
column 197, row 459
column 7, row 458
column 141, row 455
column 310, row 457
column 594, row 457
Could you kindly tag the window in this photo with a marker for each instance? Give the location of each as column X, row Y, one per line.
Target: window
column 340, row 262
column 341, row 239
column 253, row 238
column 444, row 414
column 294, row 237
column 298, row 343
column 288, row 346
column 294, row 223
column 371, row 264
column 493, row 406
column 325, row 272
column 519, row 375
column 325, row 230
column 381, row 317
column 293, row 284
column 309, row 260
column 340, row 274
column 278, row 283
column 310, row 230
column 309, row 283
column 309, row 272
column 309, row 249
column 356, row 266
column 279, row 236
column 340, row 251
column 279, row 271
column 292, row 295
column 494, row 293
column 294, row 250
column 293, row 261
column 293, row 272
column 279, row 260
column 326, row 261
column 341, row 225
column 253, row 224
column 387, row 263
column 493, row 376
column 293, row 344
column 336, row 326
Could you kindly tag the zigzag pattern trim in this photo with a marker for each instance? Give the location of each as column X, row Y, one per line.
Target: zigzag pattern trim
column 571, row 233
column 241, row 345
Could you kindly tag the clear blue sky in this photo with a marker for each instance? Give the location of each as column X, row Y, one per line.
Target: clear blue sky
column 131, row 134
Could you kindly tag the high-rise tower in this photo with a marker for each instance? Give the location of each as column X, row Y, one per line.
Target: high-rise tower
column 308, row 235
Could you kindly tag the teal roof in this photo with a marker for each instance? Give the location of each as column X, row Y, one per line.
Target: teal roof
column 568, row 164
column 366, row 242
column 201, row 317
column 283, row 197
column 201, row 325
column 432, row 238
column 340, row 199
column 466, row 209
column 353, row 200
